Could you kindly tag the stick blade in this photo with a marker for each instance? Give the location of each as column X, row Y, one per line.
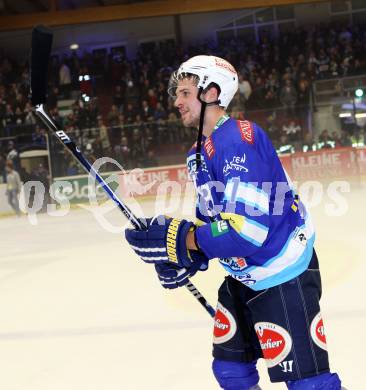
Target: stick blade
column 40, row 53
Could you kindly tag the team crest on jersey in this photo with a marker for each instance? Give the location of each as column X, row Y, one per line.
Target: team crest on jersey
column 235, row 264
column 191, row 165
column 275, row 341
column 209, row 147
column 236, row 164
column 317, row 332
column 246, row 131
column 300, row 236
column 219, row 228
column 225, row 325
column 245, row 279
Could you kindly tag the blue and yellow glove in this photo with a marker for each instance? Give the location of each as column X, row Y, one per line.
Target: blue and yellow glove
column 164, row 241
column 172, row 277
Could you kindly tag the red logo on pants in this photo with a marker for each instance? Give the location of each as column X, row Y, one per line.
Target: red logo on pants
column 275, row 341
column 317, row 332
column 225, row 325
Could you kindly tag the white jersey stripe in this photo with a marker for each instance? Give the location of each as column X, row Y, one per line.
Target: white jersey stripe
column 248, row 194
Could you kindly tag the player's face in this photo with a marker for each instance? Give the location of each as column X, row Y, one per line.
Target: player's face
column 187, row 103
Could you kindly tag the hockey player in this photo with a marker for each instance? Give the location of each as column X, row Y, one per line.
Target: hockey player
column 250, row 218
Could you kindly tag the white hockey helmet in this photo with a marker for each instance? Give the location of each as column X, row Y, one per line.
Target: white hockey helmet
column 208, row 69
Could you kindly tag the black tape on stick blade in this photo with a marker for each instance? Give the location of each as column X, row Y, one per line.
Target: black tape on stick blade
column 40, row 54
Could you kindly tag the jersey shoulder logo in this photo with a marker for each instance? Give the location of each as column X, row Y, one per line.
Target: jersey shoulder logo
column 246, row 131
column 209, row 147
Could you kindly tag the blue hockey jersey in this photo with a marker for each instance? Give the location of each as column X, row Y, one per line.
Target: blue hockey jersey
column 248, row 213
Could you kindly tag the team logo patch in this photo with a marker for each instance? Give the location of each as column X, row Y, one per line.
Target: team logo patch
column 235, row 263
column 225, row 325
column 245, row 278
column 235, row 164
column 209, row 147
column 246, row 131
column 219, row 228
column 317, row 332
column 275, row 341
column 300, row 236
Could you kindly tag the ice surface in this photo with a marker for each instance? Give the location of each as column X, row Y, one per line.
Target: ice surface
column 80, row 312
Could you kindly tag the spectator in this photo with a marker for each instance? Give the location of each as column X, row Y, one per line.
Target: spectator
column 18, row 116
column 131, row 92
column 122, row 152
column 288, row 96
column 113, row 115
column 323, row 64
column 147, row 111
column 129, row 113
column 152, row 98
column 13, row 155
column 64, row 79
column 137, row 150
column 245, row 88
column 160, row 112
column 151, row 160
column 337, row 139
column 97, row 147
column 29, row 118
column 13, row 186
column 308, row 144
column 292, row 131
column 103, row 134
column 39, row 136
column 303, row 89
column 258, row 94
column 118, row 97
column 8, row 118
column 325, row 141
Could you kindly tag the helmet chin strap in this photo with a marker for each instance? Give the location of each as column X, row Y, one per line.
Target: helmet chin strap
column 200, row 127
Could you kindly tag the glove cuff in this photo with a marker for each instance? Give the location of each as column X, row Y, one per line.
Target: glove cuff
column 176, row 245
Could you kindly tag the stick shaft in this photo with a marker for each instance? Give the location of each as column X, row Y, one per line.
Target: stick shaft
column 77, row 154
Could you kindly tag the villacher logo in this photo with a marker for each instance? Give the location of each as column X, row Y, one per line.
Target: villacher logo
column 275, row 341
column 317, row 332
column 225, row 325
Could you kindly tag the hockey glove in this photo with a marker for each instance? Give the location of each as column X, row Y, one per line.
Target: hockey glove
column 164, row 241
column 172, row 277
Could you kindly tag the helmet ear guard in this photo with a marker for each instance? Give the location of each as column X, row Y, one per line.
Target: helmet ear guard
column 203, row 91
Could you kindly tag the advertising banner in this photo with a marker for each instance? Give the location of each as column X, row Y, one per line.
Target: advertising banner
column 329, row 164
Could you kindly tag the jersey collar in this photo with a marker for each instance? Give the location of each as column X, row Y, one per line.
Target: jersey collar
column 221, row 121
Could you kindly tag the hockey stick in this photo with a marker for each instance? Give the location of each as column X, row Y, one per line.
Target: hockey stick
column 41, row 49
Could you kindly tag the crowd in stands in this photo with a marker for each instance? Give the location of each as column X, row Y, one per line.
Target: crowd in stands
column 275, row 76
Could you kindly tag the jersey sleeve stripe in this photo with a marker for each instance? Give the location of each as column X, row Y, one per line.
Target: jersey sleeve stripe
column 248, row 229
column 248, row 194
column 254, row 232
